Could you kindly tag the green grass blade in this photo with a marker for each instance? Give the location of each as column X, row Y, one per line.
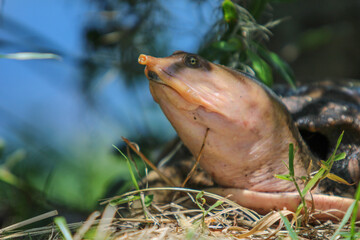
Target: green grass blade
column 344, row 220
column 339, row 156
column 8, row 177
column 354, row 215
column 62, row 225
column 133, row 178
column 288, row 227
column 313, row 181
column 291, row 160
column 278, row 64
column 261, row 68
column 332, row 157
column 299, row 208
column 351, row 212
column 123, row 200
column 218, row 203
column 283, row 177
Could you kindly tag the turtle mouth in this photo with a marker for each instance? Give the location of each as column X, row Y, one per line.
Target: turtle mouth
column 161, row 76
column 153, row 76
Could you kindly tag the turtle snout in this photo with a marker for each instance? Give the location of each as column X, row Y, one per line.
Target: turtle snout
column 149, row 62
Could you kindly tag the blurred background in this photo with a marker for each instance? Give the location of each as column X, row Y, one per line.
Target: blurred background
column 60, row 118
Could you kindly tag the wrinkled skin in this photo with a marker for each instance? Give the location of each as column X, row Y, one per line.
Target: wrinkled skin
column 249, row 130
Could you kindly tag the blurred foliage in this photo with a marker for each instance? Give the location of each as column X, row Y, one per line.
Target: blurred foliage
column 15, row 193
column 314, row 38
column 241, row 45
column 24, row 183
column 117, row 34
column 30, row 56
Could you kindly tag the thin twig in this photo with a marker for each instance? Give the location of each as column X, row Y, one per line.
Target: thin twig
column 197, row 160
column 142, row 156
column 145, row 220
column 29, row 221
column 86, row 226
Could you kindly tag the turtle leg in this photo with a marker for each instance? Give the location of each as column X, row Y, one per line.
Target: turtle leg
column 328, row 207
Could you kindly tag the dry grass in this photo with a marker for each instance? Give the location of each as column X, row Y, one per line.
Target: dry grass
column 191, row 214
column 175, row 220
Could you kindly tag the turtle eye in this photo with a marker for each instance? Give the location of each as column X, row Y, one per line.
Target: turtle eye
column 192, row 61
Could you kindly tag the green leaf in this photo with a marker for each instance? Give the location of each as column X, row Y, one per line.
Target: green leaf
column 232, row 45
column 8, row 177
column 149, row 199
column 283, row 68
column 229, row 11
column 198, row 197
column 283, row 177
column 337, row 179
column 299, row 208
column 339, row 156
column 261, row 68
column 30, row 56
column 291, row 160
column 331, row 159
column 313, row 181
column 278, row 64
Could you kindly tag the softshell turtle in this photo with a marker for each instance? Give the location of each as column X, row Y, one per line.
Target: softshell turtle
column 249, row 129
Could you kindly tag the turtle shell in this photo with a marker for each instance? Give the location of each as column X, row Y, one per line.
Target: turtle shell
column 322, row 111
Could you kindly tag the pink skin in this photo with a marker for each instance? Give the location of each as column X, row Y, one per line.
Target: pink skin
column 327, row 207
column 247, row 142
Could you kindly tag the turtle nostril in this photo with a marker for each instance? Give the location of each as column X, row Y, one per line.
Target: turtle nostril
column 153, row 76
